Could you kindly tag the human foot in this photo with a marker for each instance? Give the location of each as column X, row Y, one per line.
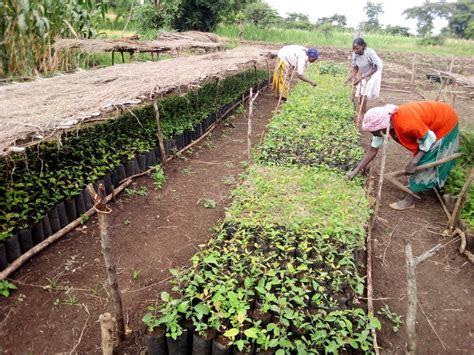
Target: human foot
column 407, row 203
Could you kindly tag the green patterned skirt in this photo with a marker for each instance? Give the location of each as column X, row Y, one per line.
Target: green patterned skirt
column 437, row 176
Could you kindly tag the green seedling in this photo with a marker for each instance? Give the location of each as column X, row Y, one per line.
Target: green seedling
column 127, row 222
column 208, row 203
column 136, row 275
column 158, row 176
column 187, row 170
column 391, row 316
column 71, row 301
column 84, row 219
column 6, row 287
column 142, row 191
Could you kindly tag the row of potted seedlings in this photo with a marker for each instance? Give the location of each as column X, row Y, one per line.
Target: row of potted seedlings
column 42, row 190
column 282, row 275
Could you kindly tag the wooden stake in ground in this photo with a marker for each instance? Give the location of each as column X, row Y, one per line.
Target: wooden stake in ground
column 103, row 213
column 460, row 202
column 159, row 133
column 381, row 177
column 252, row 98
column 106, row 330
column 413, row 71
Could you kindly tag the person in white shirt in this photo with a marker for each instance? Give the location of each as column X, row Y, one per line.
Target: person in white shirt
column 292, row 57
column 366, row 62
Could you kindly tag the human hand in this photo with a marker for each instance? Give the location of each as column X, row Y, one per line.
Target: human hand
column 350, row 175
column 410, row 169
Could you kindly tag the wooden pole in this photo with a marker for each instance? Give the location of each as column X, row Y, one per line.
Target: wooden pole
column 460, row 202
column 411, row 298
column 426, row 166
column 103, row 213
column 159, row 133
column 106, row 330
column 381, row 177
column 413, row 70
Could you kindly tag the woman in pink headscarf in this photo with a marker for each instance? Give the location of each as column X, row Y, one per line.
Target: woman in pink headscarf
column 429, row 129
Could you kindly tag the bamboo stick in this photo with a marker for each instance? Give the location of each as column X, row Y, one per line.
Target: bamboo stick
column 381, row 176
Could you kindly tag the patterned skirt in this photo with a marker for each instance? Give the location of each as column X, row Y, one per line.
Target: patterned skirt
column 280, row 82
column 437, row 176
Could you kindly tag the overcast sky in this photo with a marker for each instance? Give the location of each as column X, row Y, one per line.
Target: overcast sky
column 353, row 10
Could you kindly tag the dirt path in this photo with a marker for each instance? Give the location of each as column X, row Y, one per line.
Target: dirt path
column 150, row 235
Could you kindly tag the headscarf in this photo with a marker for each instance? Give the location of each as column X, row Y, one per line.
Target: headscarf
column 312, row 53
column 378, row 118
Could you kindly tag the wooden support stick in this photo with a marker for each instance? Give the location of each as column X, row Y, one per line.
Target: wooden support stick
column 400, row 186
column 381, row 175
column 460, row 201
column 106, row 326
column 113, row 57
column 445, row 209
column 413, row 70
column 426, row 166
column 159, row 133
column 412, row 299
column 54, row 237
column 104, row 223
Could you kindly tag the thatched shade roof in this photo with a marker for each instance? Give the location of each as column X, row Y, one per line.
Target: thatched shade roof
column 33, row 111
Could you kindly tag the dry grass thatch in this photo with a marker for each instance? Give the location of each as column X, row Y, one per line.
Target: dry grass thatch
column 128, row 45
column 33, row 111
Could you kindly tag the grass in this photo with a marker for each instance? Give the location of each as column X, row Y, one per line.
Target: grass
column 344, row 39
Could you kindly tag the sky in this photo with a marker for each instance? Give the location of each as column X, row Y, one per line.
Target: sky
column 353, row 10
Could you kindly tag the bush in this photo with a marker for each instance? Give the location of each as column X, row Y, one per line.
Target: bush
column 147, row 18
column 432, row 41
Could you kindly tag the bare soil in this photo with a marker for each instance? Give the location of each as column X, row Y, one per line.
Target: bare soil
column 63, row 290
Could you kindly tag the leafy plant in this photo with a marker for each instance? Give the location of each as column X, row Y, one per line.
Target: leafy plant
column 391, row 316
column 158, row 176
column 6, row 287
column 208, row 203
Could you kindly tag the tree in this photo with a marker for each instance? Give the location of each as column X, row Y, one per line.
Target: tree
column 335, row 20
column 425, row 15
column 397, row 30
column 260, row 14
column 461, row 19
column 298, row 20
column 372, row 11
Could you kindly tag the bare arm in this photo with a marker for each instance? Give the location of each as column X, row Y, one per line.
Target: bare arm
column 410, row 168
column 304, row 78
column 369, row 156
column 352, row 74
column 369, row 73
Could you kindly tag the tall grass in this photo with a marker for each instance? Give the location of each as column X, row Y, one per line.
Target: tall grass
column 344, row 39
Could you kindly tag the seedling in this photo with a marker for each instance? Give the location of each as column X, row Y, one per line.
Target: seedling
column 187, row 170
column 84, row 218
column 229, row 180
column 391, row 316
column 127, row 222
column 158, row 176
column 136, row 275
column 71, row 301
column 142, row 191
column 6, row 287
column 208, row 203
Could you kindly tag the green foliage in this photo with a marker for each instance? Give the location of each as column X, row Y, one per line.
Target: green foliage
column 36, row 181
column 461, row 19
column 260, row 14
column 287, row 252
column 208, row 203
column 28, row 29
column 6, row 287
column 372, row 11
column 432, row 40
column 315, row 126
column 391, row 316
column 397, row 30
column 458, row 176
column 158, row 176
column 425, row 16
column 340, row 38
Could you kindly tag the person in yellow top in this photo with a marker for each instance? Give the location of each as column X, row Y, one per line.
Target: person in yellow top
column 292, row 57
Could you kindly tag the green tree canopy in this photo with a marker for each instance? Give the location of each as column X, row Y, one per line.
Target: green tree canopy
column 260, row 14
column 372, row 11
column 425, row 15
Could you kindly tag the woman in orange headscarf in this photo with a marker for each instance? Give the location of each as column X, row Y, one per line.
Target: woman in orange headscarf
column 429, row 129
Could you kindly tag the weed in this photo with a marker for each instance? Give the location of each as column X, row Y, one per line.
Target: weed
column 391, row 316
column 208, row 203
column 127, row 222
column 187, row 170
column 240, row 109
column 136, row 275
column 53, row 283
column 208, row 144
column 84, row 218
column 6, row 287
column 142, row 191
column 71, row 300
column 228, row 180
column 158, row 176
